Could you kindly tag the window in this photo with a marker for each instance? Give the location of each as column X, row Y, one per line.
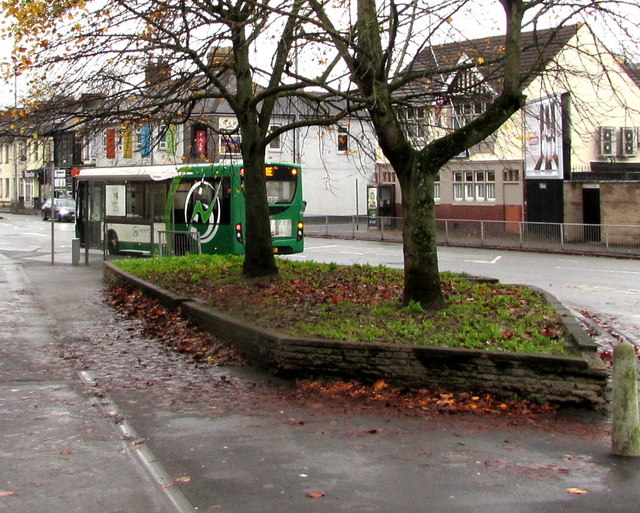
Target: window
column 138, row 139
column 343, row 138
column 465, row 111
column 275, row 144
column 28, row 192
column 48, row 151
column 230, row 138
column 157, row 192
column 203, row 201
column 511, row 175
column 436, row 187
column 135, row 199
column 162, row 137
column 413, row 120
column 88, row 149
column 474, row 186
column 22, row 151
column 458, row 186
column 230, row 144
column 386, row 177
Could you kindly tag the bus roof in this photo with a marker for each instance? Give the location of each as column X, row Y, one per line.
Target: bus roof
column 150, row 173
column 155, row 173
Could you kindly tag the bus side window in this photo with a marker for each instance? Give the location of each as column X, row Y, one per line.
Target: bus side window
column 225, row 201
column 157, row 198
column 179, row 200
column 135, row 199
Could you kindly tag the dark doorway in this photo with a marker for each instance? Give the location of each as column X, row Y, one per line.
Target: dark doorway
column 545, row 210
column 386, row 204
column 591, row 214
column 544, row 201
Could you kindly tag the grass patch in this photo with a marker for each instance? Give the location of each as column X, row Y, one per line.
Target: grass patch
column 362, row 303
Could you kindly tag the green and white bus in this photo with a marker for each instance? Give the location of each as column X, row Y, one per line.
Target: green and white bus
column 145, row 210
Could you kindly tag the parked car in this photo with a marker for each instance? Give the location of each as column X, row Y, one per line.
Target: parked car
column 64, row 209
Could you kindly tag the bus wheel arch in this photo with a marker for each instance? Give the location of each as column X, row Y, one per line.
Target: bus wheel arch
column 113, row 244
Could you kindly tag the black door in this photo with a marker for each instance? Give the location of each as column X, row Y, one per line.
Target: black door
column 591, row 214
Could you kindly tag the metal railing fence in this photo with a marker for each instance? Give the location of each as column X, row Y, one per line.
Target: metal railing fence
column 611, row 240
column 178, row 243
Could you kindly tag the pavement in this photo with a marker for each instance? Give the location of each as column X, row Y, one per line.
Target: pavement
column 96, row 418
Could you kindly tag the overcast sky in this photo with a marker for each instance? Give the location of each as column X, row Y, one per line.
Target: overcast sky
column 484, row 18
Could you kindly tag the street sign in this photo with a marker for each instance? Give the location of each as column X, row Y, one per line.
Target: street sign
column 59, row 180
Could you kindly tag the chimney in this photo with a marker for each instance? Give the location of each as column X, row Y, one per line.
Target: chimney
column 157, row 72
column 219, row 57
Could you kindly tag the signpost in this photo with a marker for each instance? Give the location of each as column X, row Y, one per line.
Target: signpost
column 59, row 179
column 58, row 184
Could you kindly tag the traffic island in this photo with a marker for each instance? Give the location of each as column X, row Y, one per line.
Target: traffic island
column 578, row 380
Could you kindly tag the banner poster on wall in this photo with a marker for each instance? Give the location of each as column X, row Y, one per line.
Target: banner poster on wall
column 372, row 205
column 543, row 139
column 115, row 200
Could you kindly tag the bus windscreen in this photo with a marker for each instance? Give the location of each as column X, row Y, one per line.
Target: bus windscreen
column 281, row 184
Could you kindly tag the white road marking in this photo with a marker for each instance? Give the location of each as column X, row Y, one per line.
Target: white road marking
column 491, row 262
column 608, row 289
column 596, row 270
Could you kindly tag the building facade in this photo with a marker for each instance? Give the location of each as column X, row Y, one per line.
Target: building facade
column 570, row 155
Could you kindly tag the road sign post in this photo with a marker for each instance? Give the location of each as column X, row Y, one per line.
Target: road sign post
column 58, row 184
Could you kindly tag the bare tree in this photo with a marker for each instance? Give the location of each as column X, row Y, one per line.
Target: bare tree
column 388, row 50
column 196, row 54
column 278, row 50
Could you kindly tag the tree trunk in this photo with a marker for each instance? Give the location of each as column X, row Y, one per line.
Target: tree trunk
column 421, row 274
column 259, row 260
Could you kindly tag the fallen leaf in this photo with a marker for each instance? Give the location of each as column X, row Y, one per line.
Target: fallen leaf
column 6, row 494
column 316, row 495
column 66, row 453
column 379, row 385
column 183, row 479
column 576, row 491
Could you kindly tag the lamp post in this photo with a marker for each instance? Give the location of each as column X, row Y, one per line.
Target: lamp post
column 14, row 197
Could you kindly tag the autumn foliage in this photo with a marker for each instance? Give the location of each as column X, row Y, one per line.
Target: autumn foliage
column 423, row 400
column 171, row 329
column 176, row 333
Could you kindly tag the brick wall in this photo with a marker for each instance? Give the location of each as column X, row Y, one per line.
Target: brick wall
column 620, row 203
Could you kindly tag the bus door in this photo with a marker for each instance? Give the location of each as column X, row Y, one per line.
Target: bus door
column 90, row 213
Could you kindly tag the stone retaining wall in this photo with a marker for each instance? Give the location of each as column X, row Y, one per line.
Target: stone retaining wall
column 576, row 380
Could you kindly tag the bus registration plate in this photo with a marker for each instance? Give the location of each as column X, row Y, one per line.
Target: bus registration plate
column 281, row 227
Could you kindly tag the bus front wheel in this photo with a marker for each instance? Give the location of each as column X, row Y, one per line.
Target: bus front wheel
column 113, row 245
